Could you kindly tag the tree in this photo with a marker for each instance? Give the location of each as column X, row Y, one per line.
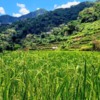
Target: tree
column 87, row 15
column 97, row 9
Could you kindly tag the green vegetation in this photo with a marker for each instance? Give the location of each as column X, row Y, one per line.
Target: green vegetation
column 46, row 22
column 55, row 29
column 57, row 74
column 90, row 14
column 49, row 75
column 84, row 36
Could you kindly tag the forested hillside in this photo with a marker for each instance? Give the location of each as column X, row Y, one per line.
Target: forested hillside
column 71, row 28
column 46, row 22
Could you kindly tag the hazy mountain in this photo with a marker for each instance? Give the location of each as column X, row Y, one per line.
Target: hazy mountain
column 33, row 14
column 7, row 19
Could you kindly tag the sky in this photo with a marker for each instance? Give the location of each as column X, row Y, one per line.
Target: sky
column 18, row 8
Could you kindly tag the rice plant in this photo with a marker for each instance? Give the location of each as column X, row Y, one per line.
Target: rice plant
column 50, row 75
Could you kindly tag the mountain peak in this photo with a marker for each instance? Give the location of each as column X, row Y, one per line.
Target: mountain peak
column 6, row 19
column 34, row 14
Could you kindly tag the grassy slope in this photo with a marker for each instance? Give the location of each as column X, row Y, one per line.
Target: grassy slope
column 88, row 33
column 83, row 39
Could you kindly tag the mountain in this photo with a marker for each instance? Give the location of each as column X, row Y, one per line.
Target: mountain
column 46, row 22
column 7, row 19
column 33, row 14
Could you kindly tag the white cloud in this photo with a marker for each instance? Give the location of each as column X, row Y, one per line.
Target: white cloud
column 23, row 10
column 67, row 5
column 2, row 11
column 37, row 8
column 21, row 5
column 16, row 14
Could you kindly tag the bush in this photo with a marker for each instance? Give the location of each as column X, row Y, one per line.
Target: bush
column 96, row 45
column 17, row 46
column 86, row 48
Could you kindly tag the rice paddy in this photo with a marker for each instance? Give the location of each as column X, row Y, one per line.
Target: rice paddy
column 50, row 75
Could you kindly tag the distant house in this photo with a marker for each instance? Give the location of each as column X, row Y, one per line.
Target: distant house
column 54, row 48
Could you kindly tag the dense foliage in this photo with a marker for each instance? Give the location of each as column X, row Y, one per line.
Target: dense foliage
column 90, row 14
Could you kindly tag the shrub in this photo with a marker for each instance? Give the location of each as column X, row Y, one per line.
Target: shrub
column 16, row 46
column 96, row 45
column 86, row 48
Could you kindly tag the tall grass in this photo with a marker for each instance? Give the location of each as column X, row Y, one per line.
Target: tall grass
column 49, row 75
